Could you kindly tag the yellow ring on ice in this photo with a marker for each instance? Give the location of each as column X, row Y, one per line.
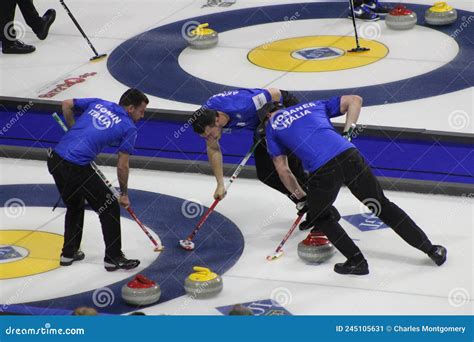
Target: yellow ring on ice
column 316, row 54
column 39, row 252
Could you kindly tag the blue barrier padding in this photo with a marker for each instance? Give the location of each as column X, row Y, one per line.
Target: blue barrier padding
column 399, row 158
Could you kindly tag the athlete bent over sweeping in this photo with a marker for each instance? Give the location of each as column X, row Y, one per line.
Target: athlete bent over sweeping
column 306, row 131
column 233, row 110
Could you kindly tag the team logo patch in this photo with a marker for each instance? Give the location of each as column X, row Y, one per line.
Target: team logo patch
column 102, row 118
column 259, row 100
column 283, row 119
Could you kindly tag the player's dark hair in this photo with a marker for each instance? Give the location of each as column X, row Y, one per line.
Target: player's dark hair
column 133, row 97
column 201, row 118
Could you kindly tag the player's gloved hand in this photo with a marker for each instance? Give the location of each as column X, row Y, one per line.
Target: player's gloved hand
column 302, row 206
column 220, row 192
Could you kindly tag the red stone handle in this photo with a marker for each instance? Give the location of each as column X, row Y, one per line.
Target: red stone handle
column 400, row 10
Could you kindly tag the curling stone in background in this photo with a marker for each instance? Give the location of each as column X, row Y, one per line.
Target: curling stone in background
column 401, row 18
column 441, row 14
column 240, row 310
column 203, row 283
column 141, row 291
column 203, row 37
column 315, row 248
column 84, row 311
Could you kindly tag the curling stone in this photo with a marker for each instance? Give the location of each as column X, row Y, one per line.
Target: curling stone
column 401, row 18
column 440, row 14
column 240, row 310
column 203, row 37
column 315, row 249
column 141, row 291
column 203, row 283
column 85, row 311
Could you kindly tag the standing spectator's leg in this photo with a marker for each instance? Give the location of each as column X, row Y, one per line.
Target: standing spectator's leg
column 39, row 25
column 7, row 15
column 10, row 44
column 362, row 11
column 30, row 14
column 377, row 7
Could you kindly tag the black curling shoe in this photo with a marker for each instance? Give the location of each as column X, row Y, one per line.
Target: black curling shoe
column 120, row 262
column 17, row 47
column 352, row 267
column 438, row 254
column 67, row 261
column 48, row 19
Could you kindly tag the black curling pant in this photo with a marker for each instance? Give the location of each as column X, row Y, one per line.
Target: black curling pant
column 75, row 184
column 267, row 173
column 351, row 169
column 7, row 16
column 358, row 3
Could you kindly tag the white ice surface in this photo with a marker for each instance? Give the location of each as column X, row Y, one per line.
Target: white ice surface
column 402, row 280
